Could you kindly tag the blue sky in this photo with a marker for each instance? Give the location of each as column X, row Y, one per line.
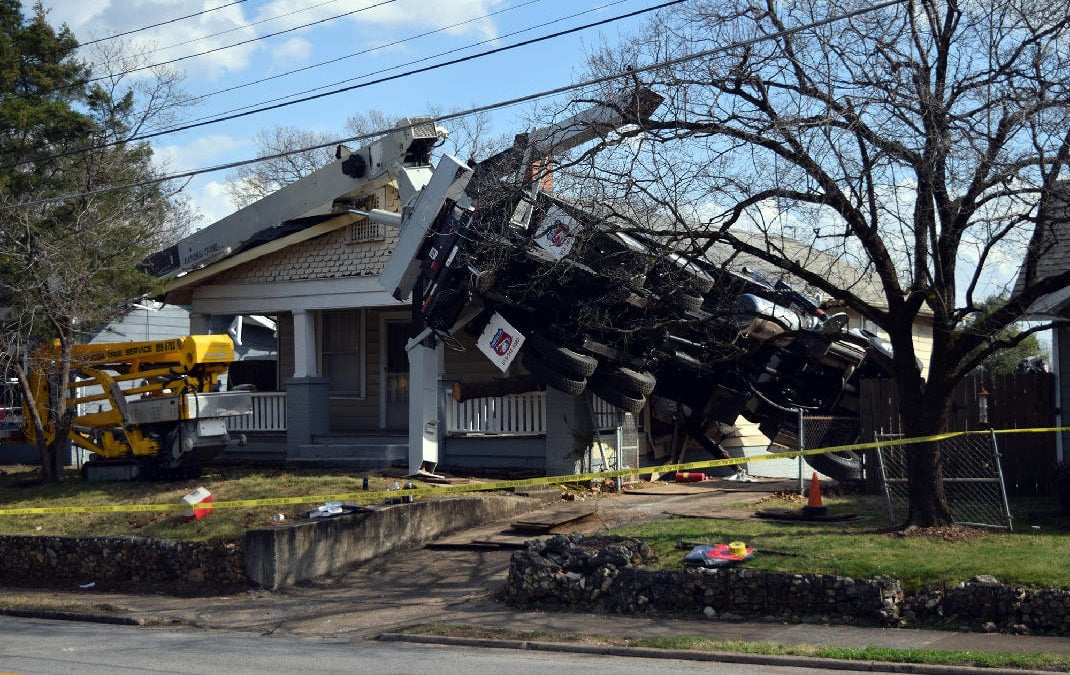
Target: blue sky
column 366, row 44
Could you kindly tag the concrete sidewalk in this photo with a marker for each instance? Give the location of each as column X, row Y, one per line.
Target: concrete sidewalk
column 456, row 585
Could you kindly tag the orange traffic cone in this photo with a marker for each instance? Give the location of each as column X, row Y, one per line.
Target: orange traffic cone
column 813, row 504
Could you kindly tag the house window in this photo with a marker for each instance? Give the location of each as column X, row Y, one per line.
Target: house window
column 342, row 351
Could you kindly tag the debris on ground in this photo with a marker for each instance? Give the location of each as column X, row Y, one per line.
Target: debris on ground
column 950, row 533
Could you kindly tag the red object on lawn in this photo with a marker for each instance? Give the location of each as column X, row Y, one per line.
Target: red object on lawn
column 198, row 496
column 689, row 477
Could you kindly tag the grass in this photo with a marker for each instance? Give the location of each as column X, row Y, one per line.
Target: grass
column 857, row 549
column 18, row 490
column 864, row 548
column 1034, row 661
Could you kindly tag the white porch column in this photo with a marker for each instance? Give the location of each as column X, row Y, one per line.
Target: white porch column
column 304, row 344
column 425, row 374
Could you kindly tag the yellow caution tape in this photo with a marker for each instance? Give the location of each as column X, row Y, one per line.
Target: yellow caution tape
column 375, row 496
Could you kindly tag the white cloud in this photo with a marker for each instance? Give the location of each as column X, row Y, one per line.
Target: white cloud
column 202, row 152
column 173, row 40
column 400, row 15
column 291, row 53
column 212, row 201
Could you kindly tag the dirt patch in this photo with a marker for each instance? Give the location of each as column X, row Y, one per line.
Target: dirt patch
column 952, row 533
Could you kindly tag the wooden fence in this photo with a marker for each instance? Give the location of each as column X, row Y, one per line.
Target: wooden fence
column 1017, row 401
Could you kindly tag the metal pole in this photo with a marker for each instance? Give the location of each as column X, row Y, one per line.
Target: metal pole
column 620, row 449
column 884, row 485
column 802, row 446
column 1002, row 486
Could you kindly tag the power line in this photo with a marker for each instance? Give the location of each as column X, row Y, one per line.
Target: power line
column 241, row 27
column 473, row 111
column 236, row 44
column 361, row 85
column 409, row 63
column 162, row 23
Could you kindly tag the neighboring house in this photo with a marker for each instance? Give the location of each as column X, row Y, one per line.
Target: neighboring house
column 1055, row 242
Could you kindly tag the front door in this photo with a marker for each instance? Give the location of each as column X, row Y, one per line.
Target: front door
column 396, row 375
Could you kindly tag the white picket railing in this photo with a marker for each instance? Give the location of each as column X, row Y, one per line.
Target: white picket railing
column 269, row 413
column 514, row 414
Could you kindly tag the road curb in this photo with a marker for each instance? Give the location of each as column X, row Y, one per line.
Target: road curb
column 720, row 657
column 73, row 616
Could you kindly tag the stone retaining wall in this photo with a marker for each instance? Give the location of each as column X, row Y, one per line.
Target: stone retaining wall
column 114, row 562
column 607, row 575
column 273, row 558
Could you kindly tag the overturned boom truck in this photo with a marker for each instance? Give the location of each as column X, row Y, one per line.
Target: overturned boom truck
column 588, row 306
column 144, row 409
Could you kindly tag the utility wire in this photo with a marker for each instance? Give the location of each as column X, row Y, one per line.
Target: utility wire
column 361, row 85
column 370, row 50
column 403, row 65
column 162, row 23
column 236, row 44
column 241, row 27
column 473, row 111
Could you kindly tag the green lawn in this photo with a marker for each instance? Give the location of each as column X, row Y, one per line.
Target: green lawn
column 865, row 548
column 1035, row 661
column 17, row 490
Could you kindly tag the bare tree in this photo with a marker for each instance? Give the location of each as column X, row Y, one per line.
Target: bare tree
column 291, row 154
column 921, row 141
column 471, row 137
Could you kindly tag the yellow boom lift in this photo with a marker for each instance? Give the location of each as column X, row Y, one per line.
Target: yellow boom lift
column 145, row 409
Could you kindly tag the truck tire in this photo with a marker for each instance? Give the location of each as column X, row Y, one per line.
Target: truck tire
column 614, row 396
column 635, row 383
column 692, row 276
column 840, row 466
column 551, row 377
column 562, row 358
column 685, row 301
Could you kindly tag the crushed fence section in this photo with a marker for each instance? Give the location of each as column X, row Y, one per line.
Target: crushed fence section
column 973, row 479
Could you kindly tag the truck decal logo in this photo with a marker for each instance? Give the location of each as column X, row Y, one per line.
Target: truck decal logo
column 559, row 233
column 501, row 342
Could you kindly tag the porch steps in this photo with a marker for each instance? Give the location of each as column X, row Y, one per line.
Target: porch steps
column 261, row 449
column 355, row 452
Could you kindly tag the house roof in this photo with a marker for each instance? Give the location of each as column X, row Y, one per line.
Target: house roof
column 1055, row 255
column 835, row 268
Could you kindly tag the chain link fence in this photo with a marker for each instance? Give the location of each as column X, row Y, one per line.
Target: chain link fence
column 973, row 480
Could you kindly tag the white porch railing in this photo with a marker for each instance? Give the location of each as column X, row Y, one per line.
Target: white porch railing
column 514, row 414
column 269, row 413
column 606, row 415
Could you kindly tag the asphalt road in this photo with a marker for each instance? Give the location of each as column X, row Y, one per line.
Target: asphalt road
column 40, row 647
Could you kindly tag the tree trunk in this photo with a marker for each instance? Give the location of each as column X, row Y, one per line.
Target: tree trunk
column 925, row 477
column 61, row 417
column 928, row 500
